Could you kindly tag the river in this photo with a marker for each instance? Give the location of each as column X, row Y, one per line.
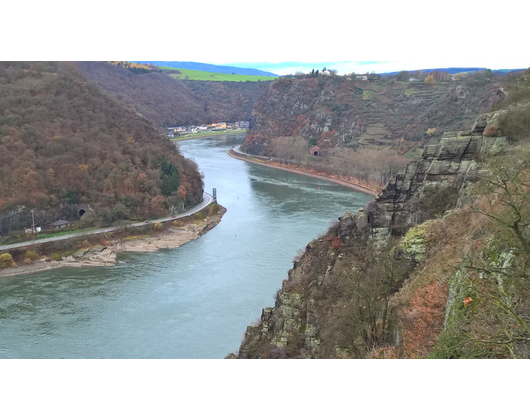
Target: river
column 193, row 302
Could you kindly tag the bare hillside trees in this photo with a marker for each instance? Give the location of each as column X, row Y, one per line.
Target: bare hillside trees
column 368, row 166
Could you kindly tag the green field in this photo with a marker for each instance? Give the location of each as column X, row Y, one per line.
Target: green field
column 208, row 134
column 216, row 77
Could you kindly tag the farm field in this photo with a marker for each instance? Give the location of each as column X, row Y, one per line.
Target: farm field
column 215, row 77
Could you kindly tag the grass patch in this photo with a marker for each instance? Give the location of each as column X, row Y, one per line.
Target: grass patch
column 413, row 153
column 209, row 134
column 376, row 129
column 64, row 232
column 57, row 256
column 215, row 77
column 368, row 95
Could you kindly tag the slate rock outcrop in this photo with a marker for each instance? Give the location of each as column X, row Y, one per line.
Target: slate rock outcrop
column 295, row 326
column 452, row 162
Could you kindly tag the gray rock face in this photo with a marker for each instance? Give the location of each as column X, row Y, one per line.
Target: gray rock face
column 341, row 111
column 295, row 321
column 451, row 162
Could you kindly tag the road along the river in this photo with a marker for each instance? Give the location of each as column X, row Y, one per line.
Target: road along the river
column 207, row 200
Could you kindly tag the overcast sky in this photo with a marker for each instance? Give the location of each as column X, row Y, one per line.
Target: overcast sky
column 343, row 67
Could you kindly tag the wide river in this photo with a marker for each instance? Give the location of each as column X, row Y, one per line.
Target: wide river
column 192, row 302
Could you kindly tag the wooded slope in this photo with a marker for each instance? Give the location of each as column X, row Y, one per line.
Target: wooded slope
column 62, row 139
column 166, row 101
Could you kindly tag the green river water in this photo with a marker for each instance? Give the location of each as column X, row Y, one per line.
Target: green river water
column 193, row 302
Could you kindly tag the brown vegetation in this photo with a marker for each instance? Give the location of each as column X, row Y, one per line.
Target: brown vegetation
column 457, row 286
column 6, row 261
column 63, row 140
column 466, row 295
column 481, row 253
column 338, row 111
column 358, row 130
column 166, row 101
column 365, row 166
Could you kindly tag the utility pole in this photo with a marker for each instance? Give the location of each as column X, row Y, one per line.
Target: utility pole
column 33, row 219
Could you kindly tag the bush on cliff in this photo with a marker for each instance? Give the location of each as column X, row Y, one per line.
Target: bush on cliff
column 436, row 201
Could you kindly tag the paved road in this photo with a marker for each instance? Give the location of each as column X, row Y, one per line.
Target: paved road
column 237, row 150
column 207, row 200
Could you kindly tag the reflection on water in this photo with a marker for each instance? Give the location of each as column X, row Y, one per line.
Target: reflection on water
column 192, row 302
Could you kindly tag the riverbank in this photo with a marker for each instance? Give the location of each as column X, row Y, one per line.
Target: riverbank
column 169, row 235
column 296, row 170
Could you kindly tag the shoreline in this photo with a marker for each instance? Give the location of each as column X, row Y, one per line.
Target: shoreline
column 352, row 185
column 106, row 255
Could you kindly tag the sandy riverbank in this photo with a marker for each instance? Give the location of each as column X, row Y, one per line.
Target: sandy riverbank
column 352, row 185
column 105, row 256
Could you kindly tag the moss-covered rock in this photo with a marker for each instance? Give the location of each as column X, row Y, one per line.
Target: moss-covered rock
column 414, row 243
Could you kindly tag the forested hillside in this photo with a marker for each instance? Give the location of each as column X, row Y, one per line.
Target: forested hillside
column 161, row 99
column 166, row 101
column 63, row 140
column 227, row 101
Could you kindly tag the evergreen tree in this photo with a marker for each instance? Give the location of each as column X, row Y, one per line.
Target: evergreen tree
column 170, row 177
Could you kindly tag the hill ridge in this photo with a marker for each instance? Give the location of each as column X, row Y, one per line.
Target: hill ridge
column 193, row 65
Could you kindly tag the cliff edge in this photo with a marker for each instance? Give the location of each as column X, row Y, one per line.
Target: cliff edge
column 380, row 282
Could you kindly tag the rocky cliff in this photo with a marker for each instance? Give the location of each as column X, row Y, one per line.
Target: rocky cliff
column 449, row 164
column 339, row 300
column 340, row 111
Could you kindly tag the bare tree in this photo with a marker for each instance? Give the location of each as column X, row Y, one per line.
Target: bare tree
column 493, row 304
column 508, row 185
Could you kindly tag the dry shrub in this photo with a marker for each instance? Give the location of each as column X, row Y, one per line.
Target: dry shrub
column 492, row 130
column 384, row 353
column 436, row 201
column 430, row 131
column 335, row 242
column 424, row 319
column 31, row 255
column 6, row 261
column 420, row 305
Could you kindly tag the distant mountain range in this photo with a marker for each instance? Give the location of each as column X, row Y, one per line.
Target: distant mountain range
column 214, row 68
column 455, row 70
column 191, row 65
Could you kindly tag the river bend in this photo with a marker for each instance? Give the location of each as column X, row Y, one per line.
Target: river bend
column 191, row 302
